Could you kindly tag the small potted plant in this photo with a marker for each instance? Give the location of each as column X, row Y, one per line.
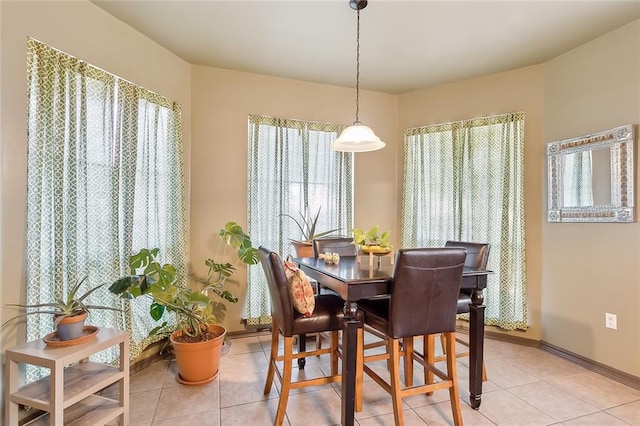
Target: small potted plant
column 69, row 313
column 372, row 242
column 307, row 226
column 197, row 338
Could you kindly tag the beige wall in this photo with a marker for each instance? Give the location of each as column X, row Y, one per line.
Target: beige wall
column 87, row 32
column 223, row 99
column 575, row 272
column 593, row 268
column 519, row 90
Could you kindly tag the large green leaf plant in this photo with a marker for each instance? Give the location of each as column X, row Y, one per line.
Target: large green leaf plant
column 194, row 308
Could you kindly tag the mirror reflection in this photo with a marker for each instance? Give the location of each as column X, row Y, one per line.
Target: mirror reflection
column 587, row 178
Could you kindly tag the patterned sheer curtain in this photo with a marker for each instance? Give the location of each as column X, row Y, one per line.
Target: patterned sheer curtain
column 578, row 182
column 291, row 169
column 464, row 181
column 104, row 179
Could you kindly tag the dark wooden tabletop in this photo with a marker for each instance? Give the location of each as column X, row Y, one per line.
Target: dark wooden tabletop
column 355, row 280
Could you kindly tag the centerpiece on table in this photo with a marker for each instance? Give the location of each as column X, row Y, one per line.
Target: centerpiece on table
column 372, row 243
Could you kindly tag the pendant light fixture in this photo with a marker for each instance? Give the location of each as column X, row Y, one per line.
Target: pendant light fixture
column 357, row 137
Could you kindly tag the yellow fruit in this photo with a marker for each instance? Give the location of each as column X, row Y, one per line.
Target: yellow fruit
column 375, row 250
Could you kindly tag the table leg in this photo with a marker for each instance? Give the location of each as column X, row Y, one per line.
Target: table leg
column 124, row 382
column 11, row 408
column 476, row 348
column 349, row 355
column 56, row 389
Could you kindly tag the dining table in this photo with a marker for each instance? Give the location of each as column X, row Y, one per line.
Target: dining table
column 355, row 278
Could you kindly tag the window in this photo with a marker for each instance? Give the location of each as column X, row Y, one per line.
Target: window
column 104, row 179
column 292, row 170
column 464, row 181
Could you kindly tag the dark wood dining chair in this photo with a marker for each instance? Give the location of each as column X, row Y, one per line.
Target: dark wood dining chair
column 424, row 295
column 477, row 258
column 286, row 321
column 344, row 246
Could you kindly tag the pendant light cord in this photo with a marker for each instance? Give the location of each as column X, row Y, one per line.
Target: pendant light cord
column 358, row 69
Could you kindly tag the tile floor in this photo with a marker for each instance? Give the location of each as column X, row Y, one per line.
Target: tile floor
column 526, row 386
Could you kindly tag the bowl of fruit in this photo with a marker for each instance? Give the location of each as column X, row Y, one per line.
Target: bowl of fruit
column 370, row 242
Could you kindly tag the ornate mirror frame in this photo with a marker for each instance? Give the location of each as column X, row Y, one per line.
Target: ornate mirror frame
column 620, row 142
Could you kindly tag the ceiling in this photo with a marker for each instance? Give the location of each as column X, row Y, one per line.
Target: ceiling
column 404, row 45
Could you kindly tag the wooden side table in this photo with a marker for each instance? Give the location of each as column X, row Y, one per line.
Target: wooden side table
column 68, row 393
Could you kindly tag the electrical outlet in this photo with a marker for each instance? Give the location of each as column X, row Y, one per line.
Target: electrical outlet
column 611, row 321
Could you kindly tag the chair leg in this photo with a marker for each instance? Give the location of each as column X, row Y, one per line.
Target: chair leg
column 394, row 355
column 484, row 372
column 454, row 395
column 407, row 345
column 428, row 350
column 334, row 353
column 275, row 337
column 287, row 368
column 394, row 386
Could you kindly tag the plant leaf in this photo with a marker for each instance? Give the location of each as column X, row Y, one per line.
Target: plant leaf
column 157, row 329
column 249, row 255
column 103, row 307
column 228, row 296
column 233, row 234
column 156, row 311
column 304, row 234
column 124, row 284
column 84, row 296
column 72, row 293
column 199, row 298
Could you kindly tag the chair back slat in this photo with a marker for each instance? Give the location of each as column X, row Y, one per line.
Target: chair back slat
column 281, row 303
column 477, row 253
column 344, row 246
column 424, row 292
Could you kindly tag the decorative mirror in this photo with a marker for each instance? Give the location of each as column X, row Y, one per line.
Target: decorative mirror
column 590, row 178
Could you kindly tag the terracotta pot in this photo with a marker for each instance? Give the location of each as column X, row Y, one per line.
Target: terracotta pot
column 199, row 363
column 70, row 328
column 303, row 248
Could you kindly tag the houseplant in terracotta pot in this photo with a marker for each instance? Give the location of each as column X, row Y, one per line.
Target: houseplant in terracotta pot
column 196, row 336
column 307, row 225
column 69, row 312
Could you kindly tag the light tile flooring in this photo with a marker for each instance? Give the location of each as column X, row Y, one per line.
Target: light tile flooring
column 526, row 386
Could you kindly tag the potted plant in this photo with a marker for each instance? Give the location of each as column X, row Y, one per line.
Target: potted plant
column 307, row 226
column 197, row 337
column 372, row 242
column 69, row 313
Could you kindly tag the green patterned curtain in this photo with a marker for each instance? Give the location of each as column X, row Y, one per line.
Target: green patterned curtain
column 464, row 181
column 578, row 183
column 105, row 178
column 292, row 169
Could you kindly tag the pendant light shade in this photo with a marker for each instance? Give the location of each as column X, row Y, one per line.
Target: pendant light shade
column 357, row 138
